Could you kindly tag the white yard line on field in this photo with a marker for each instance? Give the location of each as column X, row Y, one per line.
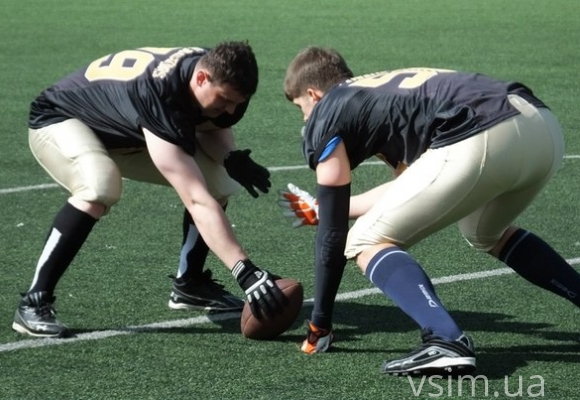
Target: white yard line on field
column 43, row 186
column 204, row 319
column 27, row 344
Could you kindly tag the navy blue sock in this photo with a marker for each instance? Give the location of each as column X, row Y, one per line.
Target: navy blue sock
column 536, row 261
column 401, row 279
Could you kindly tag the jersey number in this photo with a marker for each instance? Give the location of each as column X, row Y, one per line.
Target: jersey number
column 123, row 66
column 419, row 76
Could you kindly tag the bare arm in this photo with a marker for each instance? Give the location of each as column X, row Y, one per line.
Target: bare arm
column 361, row 203
column 184, row 175
column 335, row 171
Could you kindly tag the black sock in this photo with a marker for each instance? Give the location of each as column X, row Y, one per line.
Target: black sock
column 194, row 251
column 536, row 261
column 70, row 229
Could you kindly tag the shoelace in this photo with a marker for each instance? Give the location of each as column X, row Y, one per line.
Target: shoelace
column 427, row 335
column 45, row 310
column 42, row 305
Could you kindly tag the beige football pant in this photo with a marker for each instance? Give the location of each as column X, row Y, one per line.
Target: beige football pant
column 483, row 183
column 76, row 159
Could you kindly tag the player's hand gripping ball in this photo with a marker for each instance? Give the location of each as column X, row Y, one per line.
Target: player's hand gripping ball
column 270, row 328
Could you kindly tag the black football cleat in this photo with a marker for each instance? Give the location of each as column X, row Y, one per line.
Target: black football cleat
column 203, row 293
column 36, row 317
column 435, row 356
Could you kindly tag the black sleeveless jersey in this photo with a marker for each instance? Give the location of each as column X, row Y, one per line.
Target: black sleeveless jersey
column 398, row 115
column 121, row 93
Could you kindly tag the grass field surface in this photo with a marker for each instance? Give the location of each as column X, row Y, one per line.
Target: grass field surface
column 129, row 345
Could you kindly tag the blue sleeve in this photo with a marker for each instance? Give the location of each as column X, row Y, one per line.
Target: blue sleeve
column 332, row 144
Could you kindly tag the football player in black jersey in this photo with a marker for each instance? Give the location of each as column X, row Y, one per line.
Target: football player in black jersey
column 464, row 148
column 157, row 115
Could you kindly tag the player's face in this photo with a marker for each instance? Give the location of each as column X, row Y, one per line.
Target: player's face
column 214, row 99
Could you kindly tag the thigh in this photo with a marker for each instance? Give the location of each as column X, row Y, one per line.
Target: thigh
column 530, row 146
column 220, row 185
column 75, row 158
column 484, row 227
column 440, row 188
column 136, row 164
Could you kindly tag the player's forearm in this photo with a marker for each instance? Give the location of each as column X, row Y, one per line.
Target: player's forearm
column 361, row 203
column 330, row 241
column 217, row 233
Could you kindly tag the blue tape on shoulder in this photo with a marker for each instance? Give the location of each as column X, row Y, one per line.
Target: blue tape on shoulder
column 332, row 144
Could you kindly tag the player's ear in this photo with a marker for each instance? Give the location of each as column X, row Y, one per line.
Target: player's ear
column 201, row 76
column 314, row 94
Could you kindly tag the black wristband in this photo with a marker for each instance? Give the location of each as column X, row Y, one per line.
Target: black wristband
column 243, row 270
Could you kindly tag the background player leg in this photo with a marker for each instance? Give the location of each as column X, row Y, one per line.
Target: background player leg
column 194, row 288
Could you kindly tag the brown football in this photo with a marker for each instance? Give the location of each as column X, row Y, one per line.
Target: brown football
column 270, row 328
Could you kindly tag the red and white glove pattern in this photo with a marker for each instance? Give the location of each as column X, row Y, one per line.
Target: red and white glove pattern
column 299, row 205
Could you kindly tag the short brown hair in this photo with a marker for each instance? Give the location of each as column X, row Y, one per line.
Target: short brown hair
column 233, row 63
column 316, row 67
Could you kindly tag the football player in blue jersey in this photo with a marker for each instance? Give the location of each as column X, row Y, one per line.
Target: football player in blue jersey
column 464, row 148
column 162, row 116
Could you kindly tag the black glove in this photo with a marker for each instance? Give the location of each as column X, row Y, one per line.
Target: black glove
column 260, row 288
column 246, row 172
